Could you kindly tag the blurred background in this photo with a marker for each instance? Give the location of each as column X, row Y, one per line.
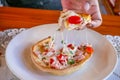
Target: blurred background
column 108, row 7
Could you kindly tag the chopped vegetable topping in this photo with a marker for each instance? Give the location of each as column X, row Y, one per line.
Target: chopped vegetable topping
column 74, row 19
column 51, row 61
column 62, row 41
column 71, row 61
column 71, row 52
column 70, row 46
column 66, row 56
column 89, row 49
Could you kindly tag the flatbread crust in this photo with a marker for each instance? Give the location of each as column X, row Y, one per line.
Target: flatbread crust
column 64, row 71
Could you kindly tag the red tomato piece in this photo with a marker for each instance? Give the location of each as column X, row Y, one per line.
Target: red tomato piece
column 62, row 61
column 89, row 49
column 51, row 61
column 60, row 56
column 70, row 46
column 74, row 19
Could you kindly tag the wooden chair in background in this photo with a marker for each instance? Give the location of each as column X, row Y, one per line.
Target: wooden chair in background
column 112, row 6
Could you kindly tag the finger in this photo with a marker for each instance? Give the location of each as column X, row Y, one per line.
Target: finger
column 89, row 25
column 65, row 4
column 73, row 4
column 68, row 4
column 95, row 14
column 95, row 23
column 87, row 6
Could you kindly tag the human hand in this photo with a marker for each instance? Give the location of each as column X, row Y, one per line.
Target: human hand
column 85, row 6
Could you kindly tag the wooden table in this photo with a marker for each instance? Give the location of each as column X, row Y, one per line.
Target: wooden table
column 26, row 18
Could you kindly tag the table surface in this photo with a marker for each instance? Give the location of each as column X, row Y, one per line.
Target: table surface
column 11, row 17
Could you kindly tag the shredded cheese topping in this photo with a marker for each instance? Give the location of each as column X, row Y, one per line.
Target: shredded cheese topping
column 70, row 54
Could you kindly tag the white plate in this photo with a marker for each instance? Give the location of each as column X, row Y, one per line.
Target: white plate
column 101, row 64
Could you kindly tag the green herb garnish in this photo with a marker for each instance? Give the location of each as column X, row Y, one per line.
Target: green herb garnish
column 62, row 42
column 71, row 52
column 71, row 61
